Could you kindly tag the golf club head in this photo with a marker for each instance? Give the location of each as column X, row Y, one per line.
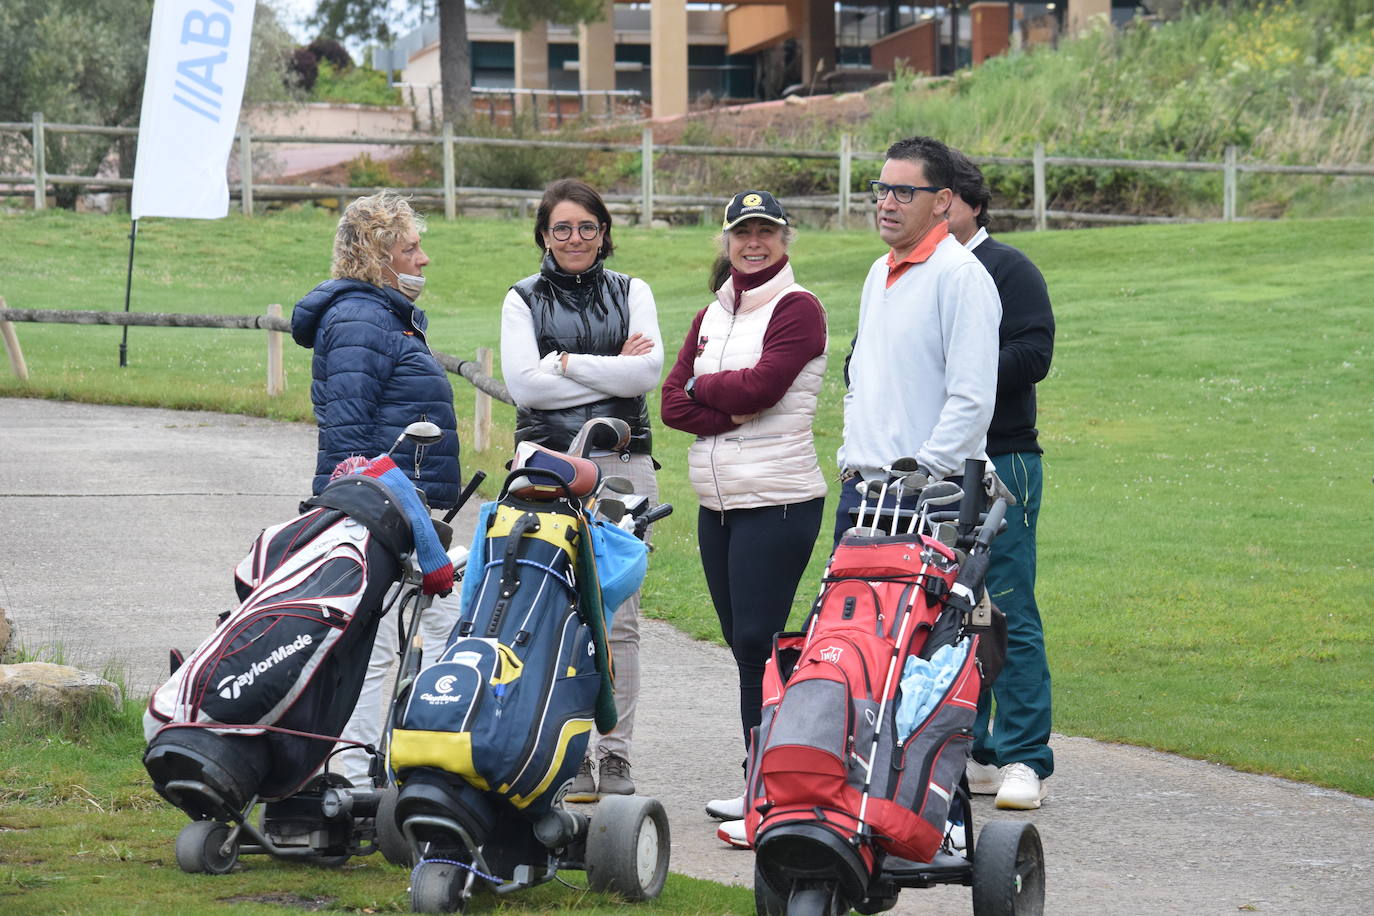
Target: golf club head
column 616, row 484
column 942, row 493
column 610, row 434
column 902, row 467
column 611, row 509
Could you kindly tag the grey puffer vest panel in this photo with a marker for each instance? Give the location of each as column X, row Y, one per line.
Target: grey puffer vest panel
column 579, row 313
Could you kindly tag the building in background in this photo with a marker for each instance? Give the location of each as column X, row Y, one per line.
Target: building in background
column 748, row 50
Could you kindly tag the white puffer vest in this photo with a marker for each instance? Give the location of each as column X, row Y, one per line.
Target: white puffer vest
column 771, row 460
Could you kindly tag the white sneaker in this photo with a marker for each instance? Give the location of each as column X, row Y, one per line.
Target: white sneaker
column 731, row 833
column 726, row 809
column 1022, row 789
column 983, row 778
column 956, row 836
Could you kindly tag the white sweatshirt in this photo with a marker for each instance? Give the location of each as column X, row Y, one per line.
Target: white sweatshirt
column 923, row 375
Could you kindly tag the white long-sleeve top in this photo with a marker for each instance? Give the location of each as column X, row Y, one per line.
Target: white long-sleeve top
column 543, row 384
column 923, row 375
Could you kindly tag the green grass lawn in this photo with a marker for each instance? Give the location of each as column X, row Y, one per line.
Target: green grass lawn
column 82, row 832
column 1206, row 537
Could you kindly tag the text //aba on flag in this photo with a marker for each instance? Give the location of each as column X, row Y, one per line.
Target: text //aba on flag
column 197, row 63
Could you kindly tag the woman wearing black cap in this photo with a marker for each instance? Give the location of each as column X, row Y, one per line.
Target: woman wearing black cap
column 746, row 383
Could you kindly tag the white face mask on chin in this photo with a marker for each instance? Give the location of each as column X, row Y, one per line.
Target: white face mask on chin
column 409, row 285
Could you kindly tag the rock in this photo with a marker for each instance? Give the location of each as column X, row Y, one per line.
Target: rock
column 57, row 690
column 8, row 645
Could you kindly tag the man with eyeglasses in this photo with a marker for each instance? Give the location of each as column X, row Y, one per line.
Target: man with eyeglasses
column 1013, row 759
column 922, row 374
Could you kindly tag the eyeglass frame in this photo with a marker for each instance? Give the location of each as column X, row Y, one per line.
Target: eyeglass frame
column 880, row 190
column 597, row 229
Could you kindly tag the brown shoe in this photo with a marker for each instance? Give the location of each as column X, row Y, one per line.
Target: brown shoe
column 583, row 787
column 614, row 778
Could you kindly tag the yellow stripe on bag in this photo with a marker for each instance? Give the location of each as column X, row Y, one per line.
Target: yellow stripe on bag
column 449, row 751
column 554, row 527
column 510, row 668
column 571, row 729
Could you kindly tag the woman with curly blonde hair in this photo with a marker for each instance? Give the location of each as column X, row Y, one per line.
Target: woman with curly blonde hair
column 372, row 375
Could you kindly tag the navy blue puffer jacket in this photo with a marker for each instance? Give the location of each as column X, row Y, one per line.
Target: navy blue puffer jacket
column 373, row 375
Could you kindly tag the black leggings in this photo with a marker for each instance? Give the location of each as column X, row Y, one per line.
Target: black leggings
column 753, row 560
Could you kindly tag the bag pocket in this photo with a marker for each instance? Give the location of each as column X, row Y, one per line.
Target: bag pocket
column 931, row 762
column 446, row 700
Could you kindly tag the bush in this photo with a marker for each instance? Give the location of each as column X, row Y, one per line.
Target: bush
column 332, row 51
column 1279, row 83
column 512, row 167
column 366, row 172
column 302, row 69
column 356, row 85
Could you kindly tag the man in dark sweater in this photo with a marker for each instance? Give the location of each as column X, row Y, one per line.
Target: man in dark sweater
column 1011, row 755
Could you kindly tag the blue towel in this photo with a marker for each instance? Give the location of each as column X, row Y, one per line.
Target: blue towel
column 924, row 682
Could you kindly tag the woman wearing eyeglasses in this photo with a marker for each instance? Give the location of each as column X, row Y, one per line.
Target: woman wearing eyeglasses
column 579, row 341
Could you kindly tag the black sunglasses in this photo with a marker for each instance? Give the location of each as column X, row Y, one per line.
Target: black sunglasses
column 903, row 192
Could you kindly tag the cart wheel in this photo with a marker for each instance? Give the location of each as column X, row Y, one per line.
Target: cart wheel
column 627, row 847
column 1008, row 870
column 815, row 898
column 767, row 902
column 438, row 887
column 390, row 840
column 200, row 848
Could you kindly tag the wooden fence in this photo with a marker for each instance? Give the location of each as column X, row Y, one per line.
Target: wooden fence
column 476, row 371
column 647, row 204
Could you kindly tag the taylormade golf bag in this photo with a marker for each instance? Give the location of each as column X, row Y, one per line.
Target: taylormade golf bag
column 257, row 708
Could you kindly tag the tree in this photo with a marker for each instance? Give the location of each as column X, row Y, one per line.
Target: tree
column 79, row 62
column 368, row 20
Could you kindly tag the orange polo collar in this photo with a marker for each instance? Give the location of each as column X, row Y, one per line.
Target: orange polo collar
column 922, row 252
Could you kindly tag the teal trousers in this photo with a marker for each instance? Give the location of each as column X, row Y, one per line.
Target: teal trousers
column 1013, row 723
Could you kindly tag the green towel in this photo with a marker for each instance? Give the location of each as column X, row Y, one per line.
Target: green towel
column 589, row 602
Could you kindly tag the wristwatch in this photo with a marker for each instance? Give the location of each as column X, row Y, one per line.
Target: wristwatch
column 691, row 388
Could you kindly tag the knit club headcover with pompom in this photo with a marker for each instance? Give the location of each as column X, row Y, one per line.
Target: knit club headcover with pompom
column 434, row 562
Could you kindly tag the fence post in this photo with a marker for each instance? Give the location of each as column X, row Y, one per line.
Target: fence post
column 450, row 195
column 481, row 418
column 1038, row 167
column 646, row 177
column 276, row 376
column 1228, row 186
column 246, row 168
column 846, row 167
column 21, row 371
column 40, row 163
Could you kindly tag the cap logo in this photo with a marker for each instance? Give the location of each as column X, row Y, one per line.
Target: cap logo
column 751, row 200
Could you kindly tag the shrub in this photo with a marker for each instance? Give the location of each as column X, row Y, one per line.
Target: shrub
column 366, row 172
column 357, row 85
column 302, row 69
column 332, row 51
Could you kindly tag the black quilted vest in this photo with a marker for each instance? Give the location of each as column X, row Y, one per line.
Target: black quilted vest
column 579, row 313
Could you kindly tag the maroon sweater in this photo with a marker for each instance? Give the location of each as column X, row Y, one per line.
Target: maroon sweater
column 795, row 336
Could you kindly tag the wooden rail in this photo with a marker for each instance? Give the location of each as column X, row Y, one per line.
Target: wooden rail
column 647, row 203
column 477, row 372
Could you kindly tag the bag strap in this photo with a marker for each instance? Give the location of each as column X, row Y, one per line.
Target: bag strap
column 510, row 569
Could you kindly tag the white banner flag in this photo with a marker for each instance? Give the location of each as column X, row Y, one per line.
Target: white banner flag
column 197, row 63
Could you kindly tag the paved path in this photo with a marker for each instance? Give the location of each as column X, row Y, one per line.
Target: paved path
column 119, row 529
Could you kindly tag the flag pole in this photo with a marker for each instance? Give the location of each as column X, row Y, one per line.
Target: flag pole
column 128, row 284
